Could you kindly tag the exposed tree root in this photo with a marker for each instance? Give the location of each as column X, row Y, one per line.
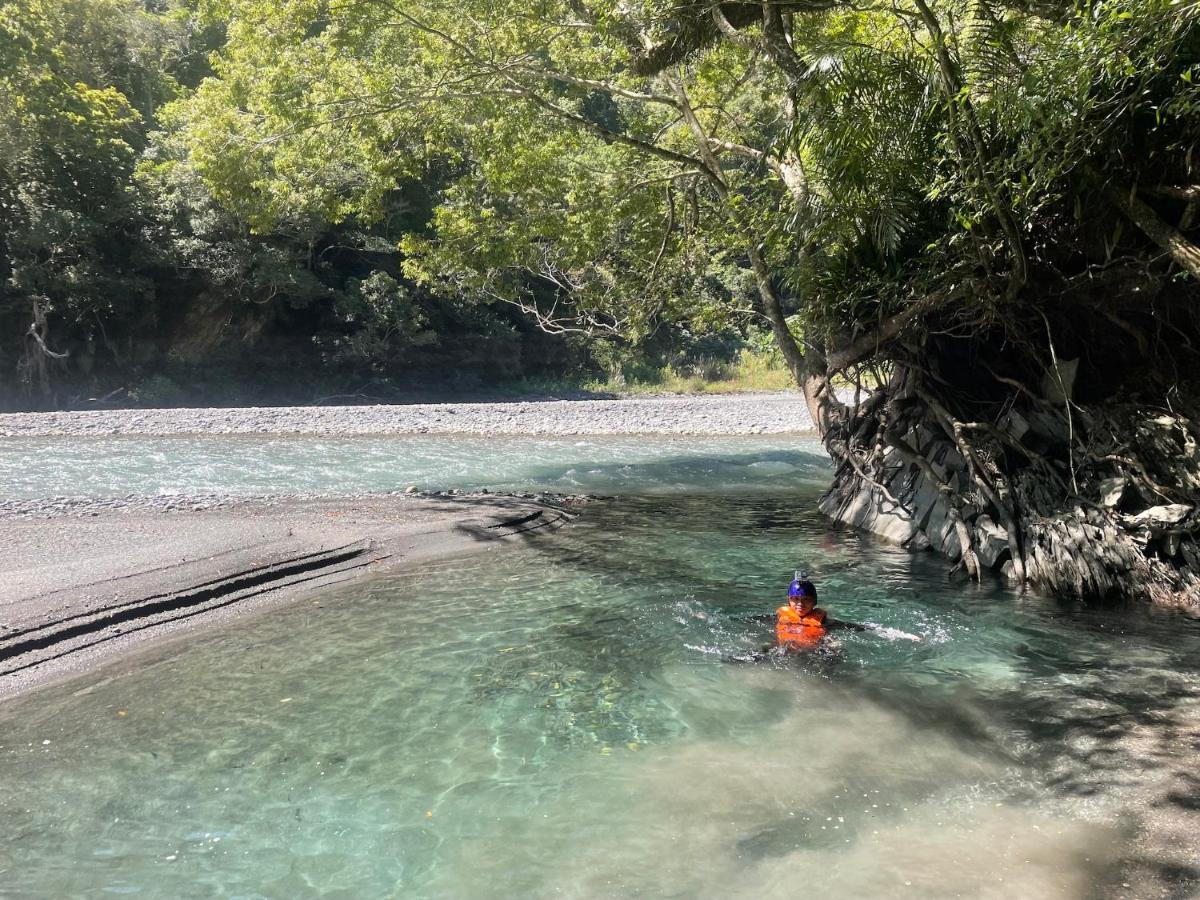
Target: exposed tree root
column 1104, row 505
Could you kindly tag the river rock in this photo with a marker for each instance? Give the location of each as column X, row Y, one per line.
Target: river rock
column 1111, row 491
column 991, row 541
column 1159, row 518
column 767, row 413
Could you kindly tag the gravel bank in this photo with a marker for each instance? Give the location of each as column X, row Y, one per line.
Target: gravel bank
column 777, row 413
column 92, row 507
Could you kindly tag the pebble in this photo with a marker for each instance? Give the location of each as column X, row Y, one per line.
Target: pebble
column 767, row 413
column 87, row 507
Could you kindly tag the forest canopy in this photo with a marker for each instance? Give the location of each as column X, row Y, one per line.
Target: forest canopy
column 874, row 159
column 124, row 279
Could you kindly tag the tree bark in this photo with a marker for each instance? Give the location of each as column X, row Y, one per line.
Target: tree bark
column 38, row 352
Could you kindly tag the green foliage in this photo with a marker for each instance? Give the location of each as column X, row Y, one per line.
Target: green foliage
column 147, row 279
column 885, row 154
column 386, row 322
column 371, row 177
column 79, row 80
column 68, row 141
column 541, row 214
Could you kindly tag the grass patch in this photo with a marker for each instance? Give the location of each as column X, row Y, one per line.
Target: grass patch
column 751, row 372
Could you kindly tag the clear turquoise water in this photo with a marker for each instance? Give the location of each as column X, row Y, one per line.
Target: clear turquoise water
column 115, row 466
column 557, row 720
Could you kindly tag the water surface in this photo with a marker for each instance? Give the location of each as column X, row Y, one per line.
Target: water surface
column 559, row 720
column 240, row 465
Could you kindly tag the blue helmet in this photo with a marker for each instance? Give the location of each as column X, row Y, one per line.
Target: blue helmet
column 801, row 586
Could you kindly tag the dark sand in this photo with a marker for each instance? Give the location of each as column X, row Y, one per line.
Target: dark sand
column 79, row 591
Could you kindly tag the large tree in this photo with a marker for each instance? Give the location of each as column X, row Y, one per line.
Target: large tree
column 981, row 211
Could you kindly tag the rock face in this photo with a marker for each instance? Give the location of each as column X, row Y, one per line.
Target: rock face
column 918, row 514
column 991, row 543
column 857, row 504
column 1105, row 505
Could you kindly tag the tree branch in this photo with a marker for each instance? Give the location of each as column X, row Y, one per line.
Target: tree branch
column 505, row 74
column 607, row 87
column 1190, row 192
column 868, row 344
column 1139, row 212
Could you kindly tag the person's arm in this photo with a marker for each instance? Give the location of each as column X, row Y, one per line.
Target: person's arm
column 766, row 618
column 832, row 624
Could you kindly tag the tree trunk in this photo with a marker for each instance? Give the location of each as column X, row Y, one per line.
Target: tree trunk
column 34, row 367
column 1181, row 249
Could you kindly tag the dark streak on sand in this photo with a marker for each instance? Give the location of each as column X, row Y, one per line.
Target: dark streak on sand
column 77, row 592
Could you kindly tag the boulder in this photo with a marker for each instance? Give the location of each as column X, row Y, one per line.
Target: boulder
column 1159, row 518
column 866, row 510
column 1165, row 522
column 899, row 528
column 937, row 524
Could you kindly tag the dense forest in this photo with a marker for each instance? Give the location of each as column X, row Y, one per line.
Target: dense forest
column 979, row 215
column 124, row 280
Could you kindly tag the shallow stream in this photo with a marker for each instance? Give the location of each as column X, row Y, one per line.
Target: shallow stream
column 239, row 465
column 566, row 719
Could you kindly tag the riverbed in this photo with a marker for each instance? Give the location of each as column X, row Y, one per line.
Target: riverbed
column 573, row 717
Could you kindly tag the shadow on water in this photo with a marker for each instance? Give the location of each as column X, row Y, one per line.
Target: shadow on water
column 1103, row 704
column 1118, row 714
column 621, row 542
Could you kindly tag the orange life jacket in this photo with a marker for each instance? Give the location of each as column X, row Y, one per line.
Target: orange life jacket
column 794, row 629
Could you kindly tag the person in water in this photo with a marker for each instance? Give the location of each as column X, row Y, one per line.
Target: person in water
column 800, row 625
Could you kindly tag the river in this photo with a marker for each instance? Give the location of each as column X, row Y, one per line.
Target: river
column 567, row 718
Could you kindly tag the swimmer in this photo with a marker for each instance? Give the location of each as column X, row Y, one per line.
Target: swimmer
column 800, row 625
column 801, row 628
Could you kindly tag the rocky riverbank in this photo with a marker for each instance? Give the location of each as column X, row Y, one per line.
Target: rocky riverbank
column 776, row 413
